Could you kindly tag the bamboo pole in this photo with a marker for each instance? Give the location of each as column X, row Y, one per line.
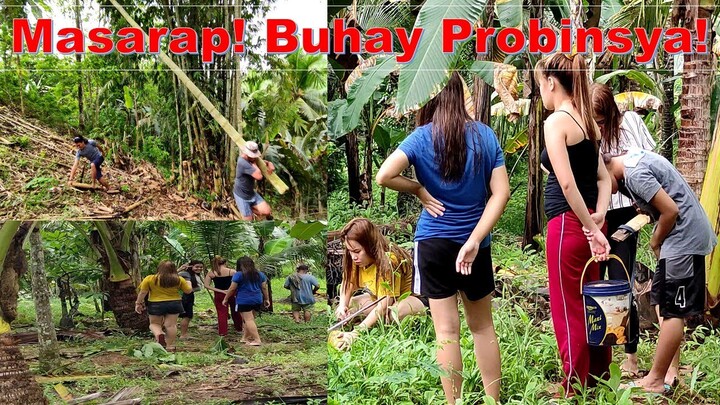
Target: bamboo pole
column 195, row 91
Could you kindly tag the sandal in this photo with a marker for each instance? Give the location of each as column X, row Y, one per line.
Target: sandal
column 161, row 340
column 667, row 389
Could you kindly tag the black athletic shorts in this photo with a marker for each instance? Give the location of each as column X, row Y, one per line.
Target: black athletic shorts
column 425, row 301
column 678, row 286
column 188, row 302
column 248, row 308
column 435, row 275
column 163, row 308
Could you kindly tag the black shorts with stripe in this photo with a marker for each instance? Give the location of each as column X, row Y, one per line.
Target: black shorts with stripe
column 678, row 286
column 436, row 277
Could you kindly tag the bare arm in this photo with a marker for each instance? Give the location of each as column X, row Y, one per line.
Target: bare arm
column 555, row 141
column 140, row 301
column 73, row 170
column 668, row 216
column 257, row 174
column 207, row 285
column 266, row 295
column 390, row 175
column 379, row 312
column 230, row 292
column 604, row 188
column 500, row 189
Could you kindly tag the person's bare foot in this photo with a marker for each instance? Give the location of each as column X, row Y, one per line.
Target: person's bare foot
column 629, row 366
column 671, row 377
column 649, row 384
column 254, row 343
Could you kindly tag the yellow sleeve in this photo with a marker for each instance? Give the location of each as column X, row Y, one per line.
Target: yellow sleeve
column 145, row 284
column 185, row 286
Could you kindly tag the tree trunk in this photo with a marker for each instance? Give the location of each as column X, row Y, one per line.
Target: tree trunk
column 668, row 118
column 20, row 82
column 49, row 355
column 117, row 282
column 698, row 74
column 17, row 384
column 353, row 167
column 482, row 90
column 369, row 169
column 78, row 59
column 534, row 218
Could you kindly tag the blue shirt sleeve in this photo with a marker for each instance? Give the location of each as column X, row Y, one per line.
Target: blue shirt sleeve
column 92, row 142
column 263, row 277
column 411, row 146
column 314, row 281
column 499, row 154
column 237, row 277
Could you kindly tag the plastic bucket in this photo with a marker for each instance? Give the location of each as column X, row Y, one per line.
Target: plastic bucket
column 607, row 309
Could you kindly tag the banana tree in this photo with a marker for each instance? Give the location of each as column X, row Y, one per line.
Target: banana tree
column 17, row 384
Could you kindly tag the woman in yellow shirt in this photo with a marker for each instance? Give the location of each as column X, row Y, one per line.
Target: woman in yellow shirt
column 381, row 269
column 164, row 302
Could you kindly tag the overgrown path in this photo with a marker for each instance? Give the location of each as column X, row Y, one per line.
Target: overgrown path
column 291, row 363
column 35, row 162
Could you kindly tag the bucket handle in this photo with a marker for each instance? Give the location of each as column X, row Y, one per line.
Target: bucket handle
column 610, row 256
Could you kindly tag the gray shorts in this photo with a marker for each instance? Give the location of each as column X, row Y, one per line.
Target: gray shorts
column 245, row 206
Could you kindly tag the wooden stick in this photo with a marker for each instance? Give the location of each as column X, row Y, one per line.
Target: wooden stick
column 135, row 205
column 631, row 227
column 356, row 313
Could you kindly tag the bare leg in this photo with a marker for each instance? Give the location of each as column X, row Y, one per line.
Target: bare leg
column 409, row 306
column 184, row 324
column 296, row 316
column 170, row 324
column 671, row 335
column 262, row 210
column 447, row 333
column 253, row 337
column 674, row 371
column 156, row 325
column 308, row 315
column 93, row 173
column 487, row 350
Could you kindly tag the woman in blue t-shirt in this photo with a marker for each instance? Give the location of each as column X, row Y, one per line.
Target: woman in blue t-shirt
column 252, row 293
column 463, row 186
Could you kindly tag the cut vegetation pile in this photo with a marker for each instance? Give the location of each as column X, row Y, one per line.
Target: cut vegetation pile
column 34, row 166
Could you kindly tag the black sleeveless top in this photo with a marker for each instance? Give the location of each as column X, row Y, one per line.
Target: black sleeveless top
column 584, row 165
column 222, row 283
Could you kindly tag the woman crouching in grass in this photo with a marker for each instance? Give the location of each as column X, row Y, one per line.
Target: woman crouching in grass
column 463, row 186
column 164, row 303
column 381, row 269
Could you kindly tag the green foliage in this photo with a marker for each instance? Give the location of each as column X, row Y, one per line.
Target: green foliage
column 153, row 352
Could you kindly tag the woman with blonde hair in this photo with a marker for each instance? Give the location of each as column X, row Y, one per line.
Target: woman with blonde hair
column 221, row 277
column 376, row 267
column 164, row 302
column 577, row 195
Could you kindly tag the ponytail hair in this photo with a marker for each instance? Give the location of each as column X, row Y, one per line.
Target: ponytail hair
column 571, row 73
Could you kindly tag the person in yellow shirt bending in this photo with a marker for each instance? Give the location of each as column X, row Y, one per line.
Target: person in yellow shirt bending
column 164, row 303
column 380, row 269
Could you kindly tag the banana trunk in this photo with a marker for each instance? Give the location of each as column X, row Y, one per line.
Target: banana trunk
column 710, row 200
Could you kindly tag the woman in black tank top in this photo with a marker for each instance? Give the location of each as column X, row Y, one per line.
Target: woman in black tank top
column 221, row 276
column 577, row 195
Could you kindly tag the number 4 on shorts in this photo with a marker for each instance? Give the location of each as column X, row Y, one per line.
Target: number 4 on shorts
column 680, row 297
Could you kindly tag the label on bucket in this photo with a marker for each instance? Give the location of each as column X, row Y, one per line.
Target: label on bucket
column 606, row 319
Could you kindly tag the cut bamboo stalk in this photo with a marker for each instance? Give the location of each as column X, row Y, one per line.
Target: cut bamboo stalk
column 195, row 91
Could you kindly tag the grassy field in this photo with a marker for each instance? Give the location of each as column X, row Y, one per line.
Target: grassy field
column 395, row 364
column 291, row 362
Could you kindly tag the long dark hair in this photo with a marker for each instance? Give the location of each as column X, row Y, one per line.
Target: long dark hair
column 191, row 272
column 571, row 73
column 604, row 104
column 449, row 119
column 247, row 266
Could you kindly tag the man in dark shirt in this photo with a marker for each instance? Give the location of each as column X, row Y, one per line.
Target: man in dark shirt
column 90, row 150
column 248, row 201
